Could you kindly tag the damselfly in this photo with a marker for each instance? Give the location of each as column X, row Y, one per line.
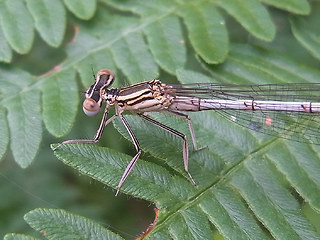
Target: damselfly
column 269, row 108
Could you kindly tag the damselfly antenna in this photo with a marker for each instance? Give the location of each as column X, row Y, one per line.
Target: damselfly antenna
column 93, row 72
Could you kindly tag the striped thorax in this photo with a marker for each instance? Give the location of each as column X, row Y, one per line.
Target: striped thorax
column 142, row 97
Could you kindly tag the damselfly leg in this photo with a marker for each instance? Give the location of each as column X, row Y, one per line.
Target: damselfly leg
column 135, row 158
column 185, row 148
column 193, row 136
column 104, row 122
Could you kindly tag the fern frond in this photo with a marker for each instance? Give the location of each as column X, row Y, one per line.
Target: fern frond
column 60, row 224
column 249, row 186
column 19, row 19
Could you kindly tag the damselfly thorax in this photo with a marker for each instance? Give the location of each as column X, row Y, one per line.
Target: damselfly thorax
column 268, row 108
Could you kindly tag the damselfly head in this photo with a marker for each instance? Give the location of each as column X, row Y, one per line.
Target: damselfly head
column 92, row 103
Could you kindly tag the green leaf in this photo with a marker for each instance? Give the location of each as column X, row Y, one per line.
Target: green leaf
column 294, row 6
column 261, row 66
column 275, row 207
column 49, row 17
column 82, row 9
column 4, row 140
column 229, row 214
column 23, row 114
column 17, row 25
column 50, row 20
column 207, row 31
column 14, row 236
column 197, row 222
column 5, row 50
column 132, row 56
column 306, row 31
column 302, row 174
column 252, row 15
column 60, row 106
column 24, row 119
column 143, row 8
column 163, row 38
column 159, row 235
column 146, row 180
column 60, row 224
column 21, row 99
column 179, row 230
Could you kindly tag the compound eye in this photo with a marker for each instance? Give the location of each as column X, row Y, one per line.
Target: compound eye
column 105, row 77
column 90, row 107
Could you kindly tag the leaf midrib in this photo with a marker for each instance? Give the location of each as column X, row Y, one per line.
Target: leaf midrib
column 261, row 149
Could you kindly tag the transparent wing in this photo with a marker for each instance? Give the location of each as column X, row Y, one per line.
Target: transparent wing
column 268, row 92
column 297, row 126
